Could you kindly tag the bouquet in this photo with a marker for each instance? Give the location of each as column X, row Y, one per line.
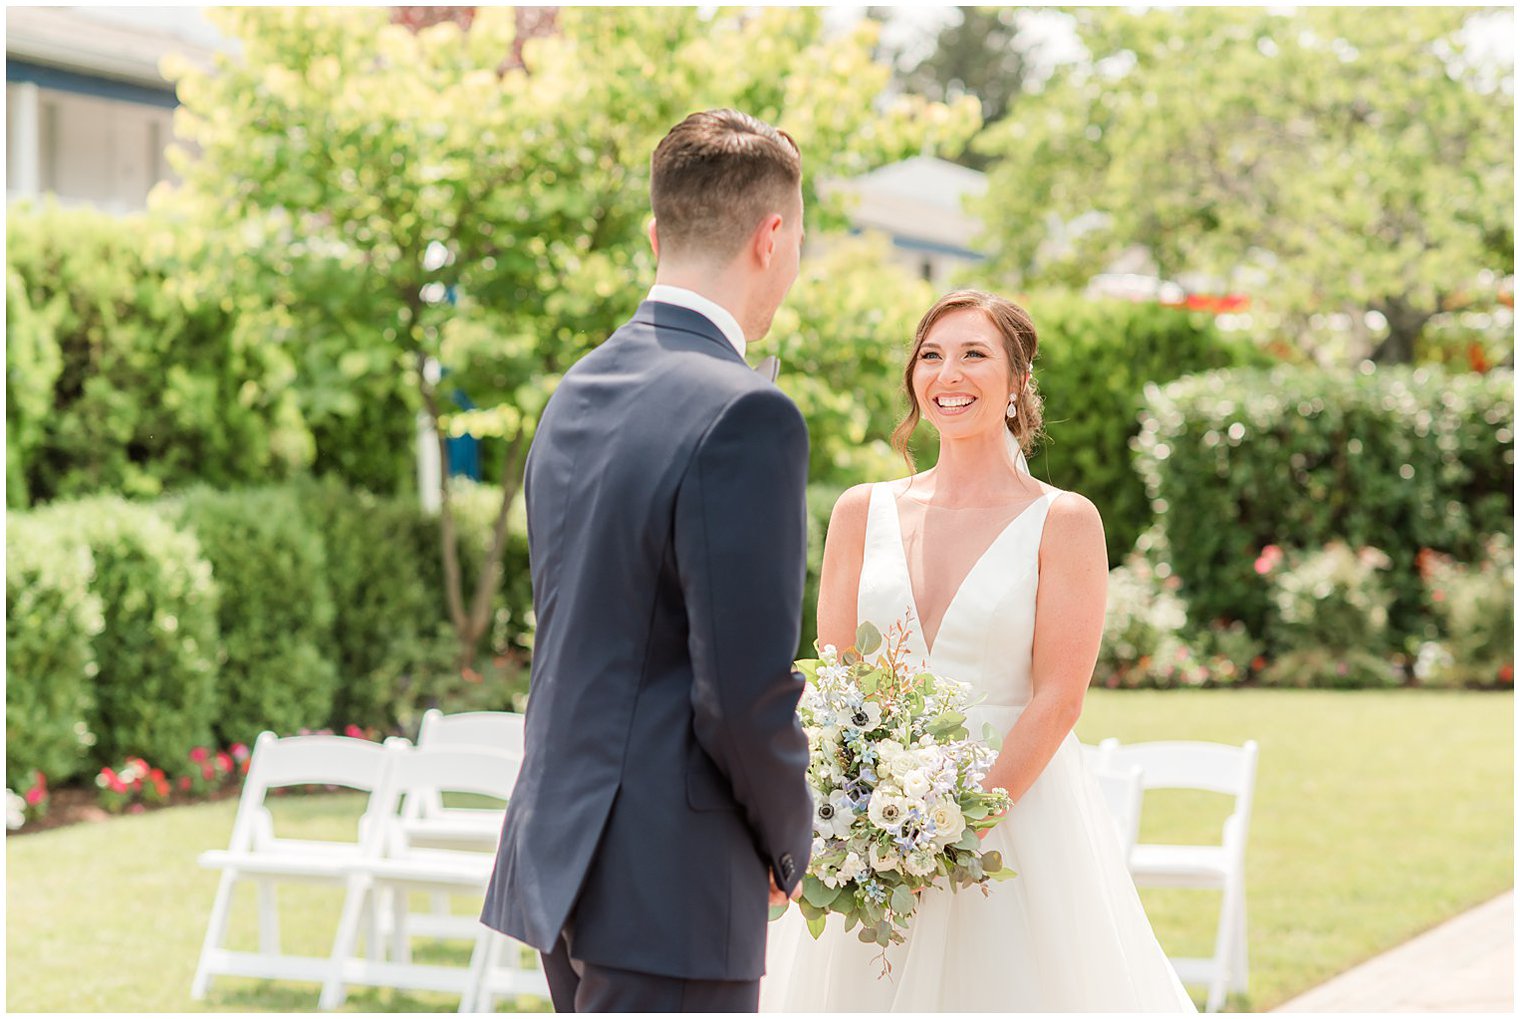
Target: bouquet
column 898, row 802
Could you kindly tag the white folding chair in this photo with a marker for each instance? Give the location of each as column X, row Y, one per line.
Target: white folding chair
column 429, row 823
column 1212, row 767
column 255, row 854
column 1096, row 756
column 1122, row 791
column 399, row 867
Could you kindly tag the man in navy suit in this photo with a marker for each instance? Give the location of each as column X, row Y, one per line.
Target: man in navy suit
column 663, row 802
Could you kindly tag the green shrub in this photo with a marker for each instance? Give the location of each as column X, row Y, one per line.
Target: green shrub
column 843, row 339
column 132, row 383
column 155, row 693
column 382, row 604
column 1147, row 642
column 1397, row 459
column 50, row 620
column 1475, row 607
column 820, row 506
column 275, row 610
column 393, row 638
column 1095, row 358
column 1329, row 619
column 32, row 365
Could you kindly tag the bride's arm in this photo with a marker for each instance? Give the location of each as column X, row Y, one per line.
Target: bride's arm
column 1068, row 629
column 839, row 581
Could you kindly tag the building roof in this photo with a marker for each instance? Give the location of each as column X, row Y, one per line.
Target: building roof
column 918, row 200
column 122, row 43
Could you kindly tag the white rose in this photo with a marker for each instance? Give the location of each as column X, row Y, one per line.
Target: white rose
column 883, row 860
column 916, row 784
column 949, row 823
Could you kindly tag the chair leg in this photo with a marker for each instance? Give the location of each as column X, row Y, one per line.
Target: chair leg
column 375, row 919
column 1240, row 968
column 355, row 904
column 480, row 965
column 269, row 920
column 401, row 943
column 216, row 933
column 1223, row 976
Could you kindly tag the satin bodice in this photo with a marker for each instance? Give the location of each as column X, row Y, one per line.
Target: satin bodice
column 986, row 636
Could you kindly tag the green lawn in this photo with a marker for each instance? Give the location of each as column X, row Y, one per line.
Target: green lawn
column 1378, row 815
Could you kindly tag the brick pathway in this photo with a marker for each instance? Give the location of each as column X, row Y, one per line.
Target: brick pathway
column 1465, row 965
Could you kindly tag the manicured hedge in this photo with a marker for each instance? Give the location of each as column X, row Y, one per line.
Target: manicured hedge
column 132, row 384
column 275, row 612
column 1095, row 358
column 212, row 615
column 1397, row 459
column 375, row 572
column 51, row 618
column 155, row 691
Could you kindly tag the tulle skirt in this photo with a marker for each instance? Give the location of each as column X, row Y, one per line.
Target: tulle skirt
column 1068, row 934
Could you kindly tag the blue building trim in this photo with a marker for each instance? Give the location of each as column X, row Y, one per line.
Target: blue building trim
column 60, row 80
column 932, row 247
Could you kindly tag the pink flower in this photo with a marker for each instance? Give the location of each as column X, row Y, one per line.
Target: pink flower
column 353, row 732
column 240, row 751
column 116, row 785
column 184, row 782
column 35, row 795
column 136, row 808
column 223, row 763
column 199, row 755
column 1270, row 557
column 208, row 772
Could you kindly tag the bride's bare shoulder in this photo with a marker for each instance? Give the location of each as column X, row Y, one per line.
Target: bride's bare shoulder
column 850, row 510
column 1073, row 522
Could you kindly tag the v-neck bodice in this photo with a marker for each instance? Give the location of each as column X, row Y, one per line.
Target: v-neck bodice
column 986, row 634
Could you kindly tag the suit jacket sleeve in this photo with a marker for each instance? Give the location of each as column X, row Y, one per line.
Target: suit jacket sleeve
column 741, row 552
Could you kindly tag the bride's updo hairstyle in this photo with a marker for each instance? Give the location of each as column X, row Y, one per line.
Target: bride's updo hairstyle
column 1020, row 343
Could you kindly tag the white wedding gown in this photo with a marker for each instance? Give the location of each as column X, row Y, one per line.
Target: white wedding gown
column 1068, row 934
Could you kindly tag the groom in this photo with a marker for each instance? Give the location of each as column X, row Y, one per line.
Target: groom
column 664, row 786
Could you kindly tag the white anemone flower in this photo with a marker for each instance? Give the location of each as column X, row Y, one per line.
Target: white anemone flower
column 832, row 816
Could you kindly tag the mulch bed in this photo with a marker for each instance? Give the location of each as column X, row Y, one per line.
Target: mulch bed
column 68, row 806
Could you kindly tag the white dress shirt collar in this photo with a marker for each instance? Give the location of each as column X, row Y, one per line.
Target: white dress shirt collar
column 709, row 309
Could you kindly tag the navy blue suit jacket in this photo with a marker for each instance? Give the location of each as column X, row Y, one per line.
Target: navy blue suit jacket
column 665, row 771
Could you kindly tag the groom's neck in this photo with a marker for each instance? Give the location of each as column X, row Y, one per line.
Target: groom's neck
column 724, row 287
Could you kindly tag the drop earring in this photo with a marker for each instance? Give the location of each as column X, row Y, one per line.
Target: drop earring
column 1013, row 405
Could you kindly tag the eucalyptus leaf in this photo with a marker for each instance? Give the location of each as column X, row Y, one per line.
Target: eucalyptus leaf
column 867, row 638
column 815, row 892
column 816, row 925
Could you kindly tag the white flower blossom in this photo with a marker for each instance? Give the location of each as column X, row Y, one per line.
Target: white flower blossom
column 949, row 823
column 885, row 858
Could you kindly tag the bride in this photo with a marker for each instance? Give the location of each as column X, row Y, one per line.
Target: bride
column 1003, row 581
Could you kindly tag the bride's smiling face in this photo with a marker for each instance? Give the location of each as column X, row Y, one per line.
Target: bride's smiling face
column 962, row 376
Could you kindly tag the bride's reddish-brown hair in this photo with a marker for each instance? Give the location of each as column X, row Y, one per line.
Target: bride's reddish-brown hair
column 1020, row 342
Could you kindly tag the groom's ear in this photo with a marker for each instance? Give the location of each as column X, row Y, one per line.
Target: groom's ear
column 767, row 235
column 654, row 239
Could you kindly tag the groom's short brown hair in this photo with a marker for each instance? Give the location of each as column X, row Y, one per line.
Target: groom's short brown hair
column 715, row 176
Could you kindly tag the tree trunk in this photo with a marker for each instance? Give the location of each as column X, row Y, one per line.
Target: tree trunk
column 1405, row 323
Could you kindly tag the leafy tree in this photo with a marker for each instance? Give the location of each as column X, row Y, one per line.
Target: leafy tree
column 982, row 52
column 1325, row 160
column 446, row 194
